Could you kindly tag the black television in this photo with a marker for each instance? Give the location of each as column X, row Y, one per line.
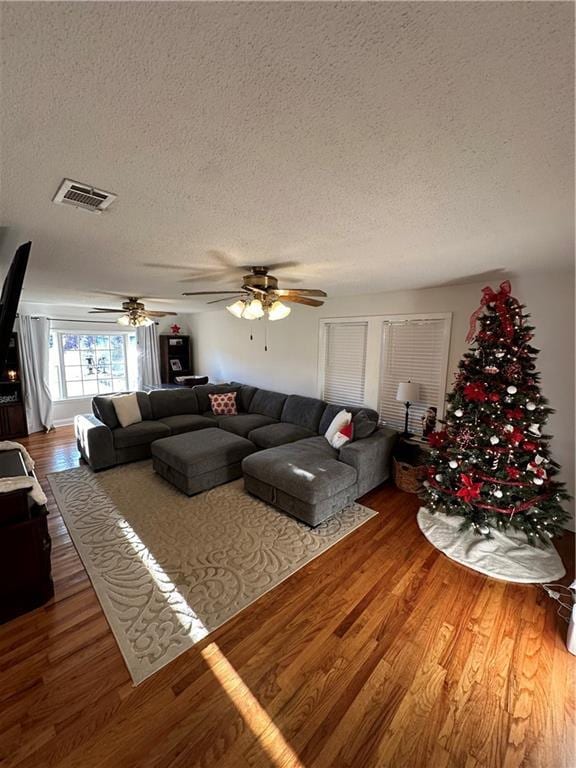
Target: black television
column 10, row 299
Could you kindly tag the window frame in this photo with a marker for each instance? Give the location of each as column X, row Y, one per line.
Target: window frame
column 58, row 333
column 374, row 350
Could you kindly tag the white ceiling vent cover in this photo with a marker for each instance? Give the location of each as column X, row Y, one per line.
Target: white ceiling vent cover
column 83, row 196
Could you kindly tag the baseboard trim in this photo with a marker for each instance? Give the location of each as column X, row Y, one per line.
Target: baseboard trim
column 64, row 422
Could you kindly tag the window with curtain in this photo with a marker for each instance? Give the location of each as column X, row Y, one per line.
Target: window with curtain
column 344, row 365
column 89, row 364
column 412, row 350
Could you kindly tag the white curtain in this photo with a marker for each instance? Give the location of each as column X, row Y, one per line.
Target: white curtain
column 148, row 356
column 34, row 340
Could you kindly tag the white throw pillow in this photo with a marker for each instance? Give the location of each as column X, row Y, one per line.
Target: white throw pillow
column 127, row 409
column 340, row 420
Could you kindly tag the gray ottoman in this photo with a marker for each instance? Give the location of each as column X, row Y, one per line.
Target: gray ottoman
column 197, row 461
column 302, row 479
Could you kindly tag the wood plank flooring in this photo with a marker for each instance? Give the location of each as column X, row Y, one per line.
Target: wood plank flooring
column 380, row 653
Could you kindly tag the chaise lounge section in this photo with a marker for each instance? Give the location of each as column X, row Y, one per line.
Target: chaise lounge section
column 276, row 441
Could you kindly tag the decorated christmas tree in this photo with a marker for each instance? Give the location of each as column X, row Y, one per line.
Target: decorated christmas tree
column 491, row 463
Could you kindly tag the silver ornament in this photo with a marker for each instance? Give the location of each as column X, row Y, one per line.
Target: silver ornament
column 453, row 464
column 511, row 389
column 494, row 440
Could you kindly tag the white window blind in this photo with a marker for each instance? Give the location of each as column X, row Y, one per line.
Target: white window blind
column 412, row 350
column 345, row 362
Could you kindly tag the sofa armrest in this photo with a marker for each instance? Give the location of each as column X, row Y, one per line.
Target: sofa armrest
column 95, row 441
column 371, row 457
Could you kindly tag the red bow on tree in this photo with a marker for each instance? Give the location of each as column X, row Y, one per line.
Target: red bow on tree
column 499, row 300
column 513, row 473
column 514, row 413
column 475, row 391
column 515, row 436
column 469, row 490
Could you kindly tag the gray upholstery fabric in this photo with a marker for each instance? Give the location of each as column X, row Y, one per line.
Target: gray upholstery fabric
column 268, row 403
column 371, row 458
column 300, row 471
column 312, row 514
column 243, row 423
column 173, row 402
column 94, row 441
column 186, row 423
column 139, row 434
column 204, row 390
column 363, row 426
column 198, row 483
column 103, row 408
column 278, row 434
column 245, row 395
column 321, row 444
column 192, row 456
column 332, row 410
column 303, row 411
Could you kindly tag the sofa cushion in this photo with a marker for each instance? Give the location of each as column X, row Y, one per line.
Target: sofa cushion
column 245, row 395
column 304, row 411
column 186, row 423
column 196, row 454
column 278, row 434
column 363, row 425
column 268, row 403
column 172, row 402
column 103, row 408
column 139, row 434
column 204, row 390
column 320, row 443
column 244, row 423
column 332, row 410
column 300, row 470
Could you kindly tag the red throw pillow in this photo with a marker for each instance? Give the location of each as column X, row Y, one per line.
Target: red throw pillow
column 343, row 436
column 224, row 404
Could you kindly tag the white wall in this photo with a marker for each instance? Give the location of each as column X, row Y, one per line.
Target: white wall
column 224, row 352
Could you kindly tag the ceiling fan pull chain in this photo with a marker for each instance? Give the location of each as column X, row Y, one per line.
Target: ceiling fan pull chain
column 251, row 332
column 266, row 335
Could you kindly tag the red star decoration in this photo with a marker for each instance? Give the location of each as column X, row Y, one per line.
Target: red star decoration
column 175, row 328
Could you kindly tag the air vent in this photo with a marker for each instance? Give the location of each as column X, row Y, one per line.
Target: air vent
column 83, row 196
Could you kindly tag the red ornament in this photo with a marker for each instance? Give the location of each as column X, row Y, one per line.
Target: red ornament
column 513, row 473
column 528, row 445
column 515, row 436
column 494, row 397
column 514, row 413
column 438, row 439
column 175, row 328
column 469, row 490
column 475, row 391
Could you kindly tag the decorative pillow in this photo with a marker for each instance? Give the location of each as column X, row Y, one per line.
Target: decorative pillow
column 127, row 409
column 224, row 404
column 363, row 425
column 342, row 437
column 340, row 420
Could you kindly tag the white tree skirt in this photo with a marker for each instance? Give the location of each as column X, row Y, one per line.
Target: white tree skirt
column 506, row 556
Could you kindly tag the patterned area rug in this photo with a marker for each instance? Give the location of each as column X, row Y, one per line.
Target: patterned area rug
column 169, row 569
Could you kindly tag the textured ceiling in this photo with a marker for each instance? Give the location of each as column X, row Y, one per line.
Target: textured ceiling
column 379, row 145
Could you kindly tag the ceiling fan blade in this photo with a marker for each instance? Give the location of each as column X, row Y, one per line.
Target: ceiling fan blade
column 261, row 291
column 98, row 310
column 228, row 298
column 153, row 313
column 300, row 291
column 303, row 300
column 207, row 293
column 273, row 267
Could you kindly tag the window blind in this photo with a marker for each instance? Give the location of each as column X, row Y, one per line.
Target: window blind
column 412, row 350
column 345, row 362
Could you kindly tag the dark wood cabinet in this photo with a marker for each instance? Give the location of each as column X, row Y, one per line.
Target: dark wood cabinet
column 25, row 545
column 12, row 408
column 175, row 356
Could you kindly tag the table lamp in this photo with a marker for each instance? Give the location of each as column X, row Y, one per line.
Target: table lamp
column 407, row 393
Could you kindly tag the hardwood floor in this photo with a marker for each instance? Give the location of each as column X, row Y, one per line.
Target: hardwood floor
column 381, row 652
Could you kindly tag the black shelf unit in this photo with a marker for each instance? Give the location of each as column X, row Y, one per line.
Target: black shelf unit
column 12, row 408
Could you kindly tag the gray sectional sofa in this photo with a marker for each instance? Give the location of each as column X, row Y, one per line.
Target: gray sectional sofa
column 276, row 442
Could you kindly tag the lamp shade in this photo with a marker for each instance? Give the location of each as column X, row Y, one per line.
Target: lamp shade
column 408, row 392
column 278, row 311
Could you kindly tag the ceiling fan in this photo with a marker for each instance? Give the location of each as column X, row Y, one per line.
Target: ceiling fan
column 259, row 295
column 133, row 313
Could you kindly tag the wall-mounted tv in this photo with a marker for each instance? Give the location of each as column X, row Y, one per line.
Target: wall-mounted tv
column 10, row 298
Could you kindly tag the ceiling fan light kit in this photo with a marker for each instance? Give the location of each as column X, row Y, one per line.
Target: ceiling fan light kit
column 133, row 313
column 262, row 296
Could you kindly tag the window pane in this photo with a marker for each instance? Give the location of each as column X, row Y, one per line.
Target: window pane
column 69, row 342
column 102, row 342
column 118, row 354
column 73, row 373
column 91, row 387
column 119, row 385
column 118, row 369
column 104, row 386
column 71, row 358
column 103, row 364
column 87, row 342
column 89, row 363
column 74, row 388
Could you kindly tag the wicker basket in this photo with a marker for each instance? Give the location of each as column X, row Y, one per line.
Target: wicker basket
column 408, row 477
